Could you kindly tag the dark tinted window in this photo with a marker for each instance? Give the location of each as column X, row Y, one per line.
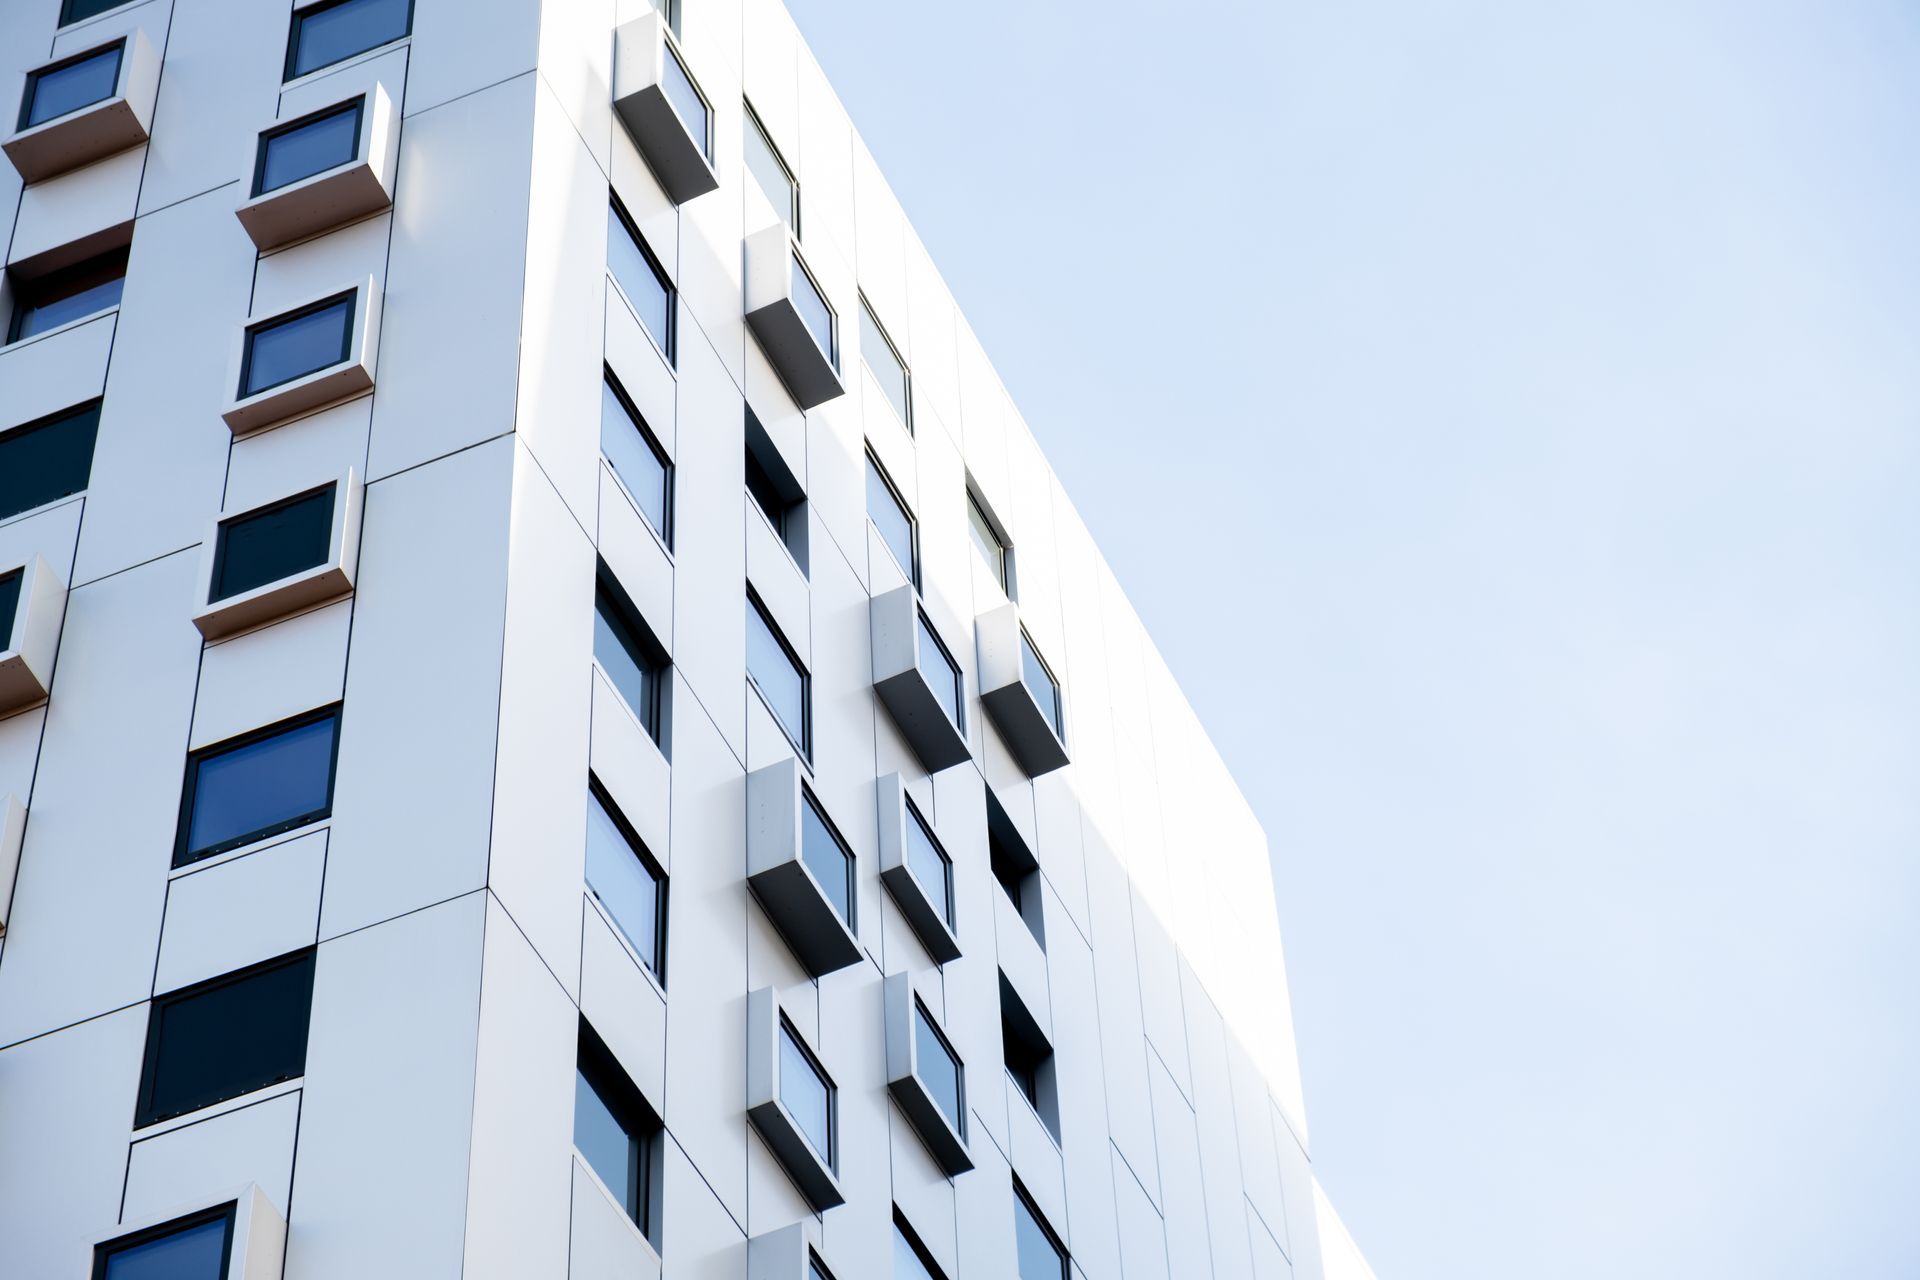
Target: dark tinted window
column 293, row 346
column 776, row 490
column 47, row 460
column 223, row 1038
column 891, row 518
column 1040, row 1258
column 327, row 33
column 623, row 879
column 306, row 147
column 640, row 279
column 779, row 677
column 61, row 296
column 67, row 86
column 766, row 496
column 635, row 457
column 1041, row 684
column 259, row 785
column 806, row 1092
column 938, row 1067
column 686, row 100
column 815, row 313
column 78, row 10
column 1014, row 867
column 9, row 605
column 1023, row 1063
column 771, row 172
column 827, row 857
column 628, row 656
column 196, row 1247
column 941, row 671
column 274, row 543
column 929, row 863
column 613, row 1128
column 888, row 369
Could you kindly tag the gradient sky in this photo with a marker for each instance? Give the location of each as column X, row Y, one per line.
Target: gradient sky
column 1506, row 416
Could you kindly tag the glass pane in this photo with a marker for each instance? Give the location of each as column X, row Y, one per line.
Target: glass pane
column 987, row 542
column 619, row 653
column 829, row 861
column 814, row 312
column 670, row 10
column 886, row 366
column 322, row 37
column 1039, row 1260
column 906, row 1262
column 50, row 304
column 816, row 1272
column 9, row 605
column 805, row 1095
column 76, row 10
column 267, row 785
column 686, row 100
column 941, row 675
column 651, row 299
column 779, row 679
column 47, row 461
column 892, row 520
column 227, row 1040
column 69, row 88
column 308, row 149
column 625, row 885
column 763, row 162
column 283, row 350
column 634, row 459
column 766, row 495
column 937, row 1068
column 1039, row 683
column 929, row 865
column 258, row 549
column 194, row 1253
column 609, row 1149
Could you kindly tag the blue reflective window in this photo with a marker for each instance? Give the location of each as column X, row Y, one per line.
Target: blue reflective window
column 628, row 657
column 47, row 460
column 613, row 1129
column 9, row 605
column 827, row 857
column 63, row 296
column 635, row 457
column 685, row 99
column 986, row 540
column 296, row 345
column 941, row 672
column 1040, row 1258
column 779, row 677
column 196, row 1247
column 252, row 787
column 1041, row 684
column 806, row 1093
column 814, row 312
column 274, row 543
column 219, row 1039
column 624, row 880
column 895, row 523
column 929, row 864
column 328, row 33
column 771, row 172
column 908, row 1262
column 306, row 147
column 641, row 280
column 883, row 359
column 65, row 87
column 938, row 1068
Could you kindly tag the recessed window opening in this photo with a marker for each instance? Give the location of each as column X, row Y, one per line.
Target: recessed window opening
column 65, row 87
column 776, row 673
column 807, row 1093
column 1029, row 1058
column 1014, row 868
column 292, row 346
column 637, row 459
column 10, row 584
column 328, row 33
column 272, row 543
column 225, row 1037
column 313, row 144
column 990, row 542
column 895, row 523
column 771, row 172
column 61, row 297
column 776, row 491
column 641, row 279
column 635, row 663
column 258, row 785
column 47, row 459
column 1038, row 1250
column 625, row 879
column 883, row 361
column 615, row 1131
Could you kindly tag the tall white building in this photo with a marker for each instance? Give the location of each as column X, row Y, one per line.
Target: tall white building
column 554, row 721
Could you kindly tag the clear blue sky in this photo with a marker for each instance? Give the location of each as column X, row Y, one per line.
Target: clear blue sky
column 1506, row 416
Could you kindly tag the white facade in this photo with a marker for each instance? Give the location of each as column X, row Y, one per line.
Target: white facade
column 429, row 1130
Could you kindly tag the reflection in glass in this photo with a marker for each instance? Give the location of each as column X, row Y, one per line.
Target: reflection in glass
column 892, row 521
column 826, row 858
column 686, row 100
column 641, row 281
column 778, row 677
column 942, row 676
column 1039, row 1258
column 622, row 654
column 269, row 545
column 884, row 362
column 191, row 1253
column 1041, row 684
column 312, row 146
column 281, row 350
column 326, row 34
column 635, row 459
column 60, row 90
column 806, row 1095
column 260, row 787
column 625, row 885
column 814, row 312
column 938, row 1069
column 929, row 864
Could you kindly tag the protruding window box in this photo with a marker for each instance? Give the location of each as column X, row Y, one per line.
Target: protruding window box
column 1021, row 693
column 13, row 825
column 241, row 1236
column 785, row 1254
column 792, row 1102
column 917, row 871
column 85, row 107
column 801, row 869
column 305, row 358
column 33, row 600
column 266, row 563
column 917, row 678
column 925, row 1075
column 790, row 315
column 322, row 170
column 662, row 107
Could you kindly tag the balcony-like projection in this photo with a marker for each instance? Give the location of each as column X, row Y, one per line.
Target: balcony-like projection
column 917, row 678
column 792, row 1101
column 322, row 170
column 925, row 1075
column 306, row 358
column 1020, row 692
column 243, row 1237
column 917, row 871
column 85, row 107
column 790, row 315
column 13, row 826
column 33, row 600
column 662, row 107
column 269, row 562
column 800, row 869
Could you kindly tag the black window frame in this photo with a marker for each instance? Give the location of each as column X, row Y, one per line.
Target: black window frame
column 103, row 1252
column 793, row 182
column 949, row 909
column 831, row 1156
column 56, row 286
column 915, row 1246
column 958, row 1122
column 356, row 104
column 805, row 745
column 351, row 297
column 978, row 506
column 299, row 17
column 145, row 1113
column 222, row 531
column 669, row 345
column 1057, row 713
column 643, row 1125
column 653, row 444
column 848, row 858
column 31, row 89
column 783, row 492
column 1014, row 867
column 185, row 857
column 13, row 585
column 657, row 963
column 89, row 409
column 832, row 353
column 633, row 634
column 959, row 719
column 913, row 521
column 1046, row 1229
column 906, row 370
column 68, row 17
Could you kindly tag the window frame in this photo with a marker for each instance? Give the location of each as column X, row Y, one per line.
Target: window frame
column 667, row 344
column 904, row 1231
column 145, row 1113
column 1046, row 1229
column 784, row 1027
column 921, row 1014
column 104, row 1251
column 850, row 861
column 356, row 104
column 53, row 422
column 68, row 19
column 298, row 19
column 804, row 747
column 33, row 294
column 979, row 509
column 1057, row 713
column 756, row 125
column 30, row 92
column 350, row 297
column 670, row 50
column 223, row 531
column 652, row 657
column 652, row 442
column 656, row 964
column 633, row 1113
column 189, row 787
column 832, row 353
column 949, row 908
column 913, row 522
column 906, row 370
